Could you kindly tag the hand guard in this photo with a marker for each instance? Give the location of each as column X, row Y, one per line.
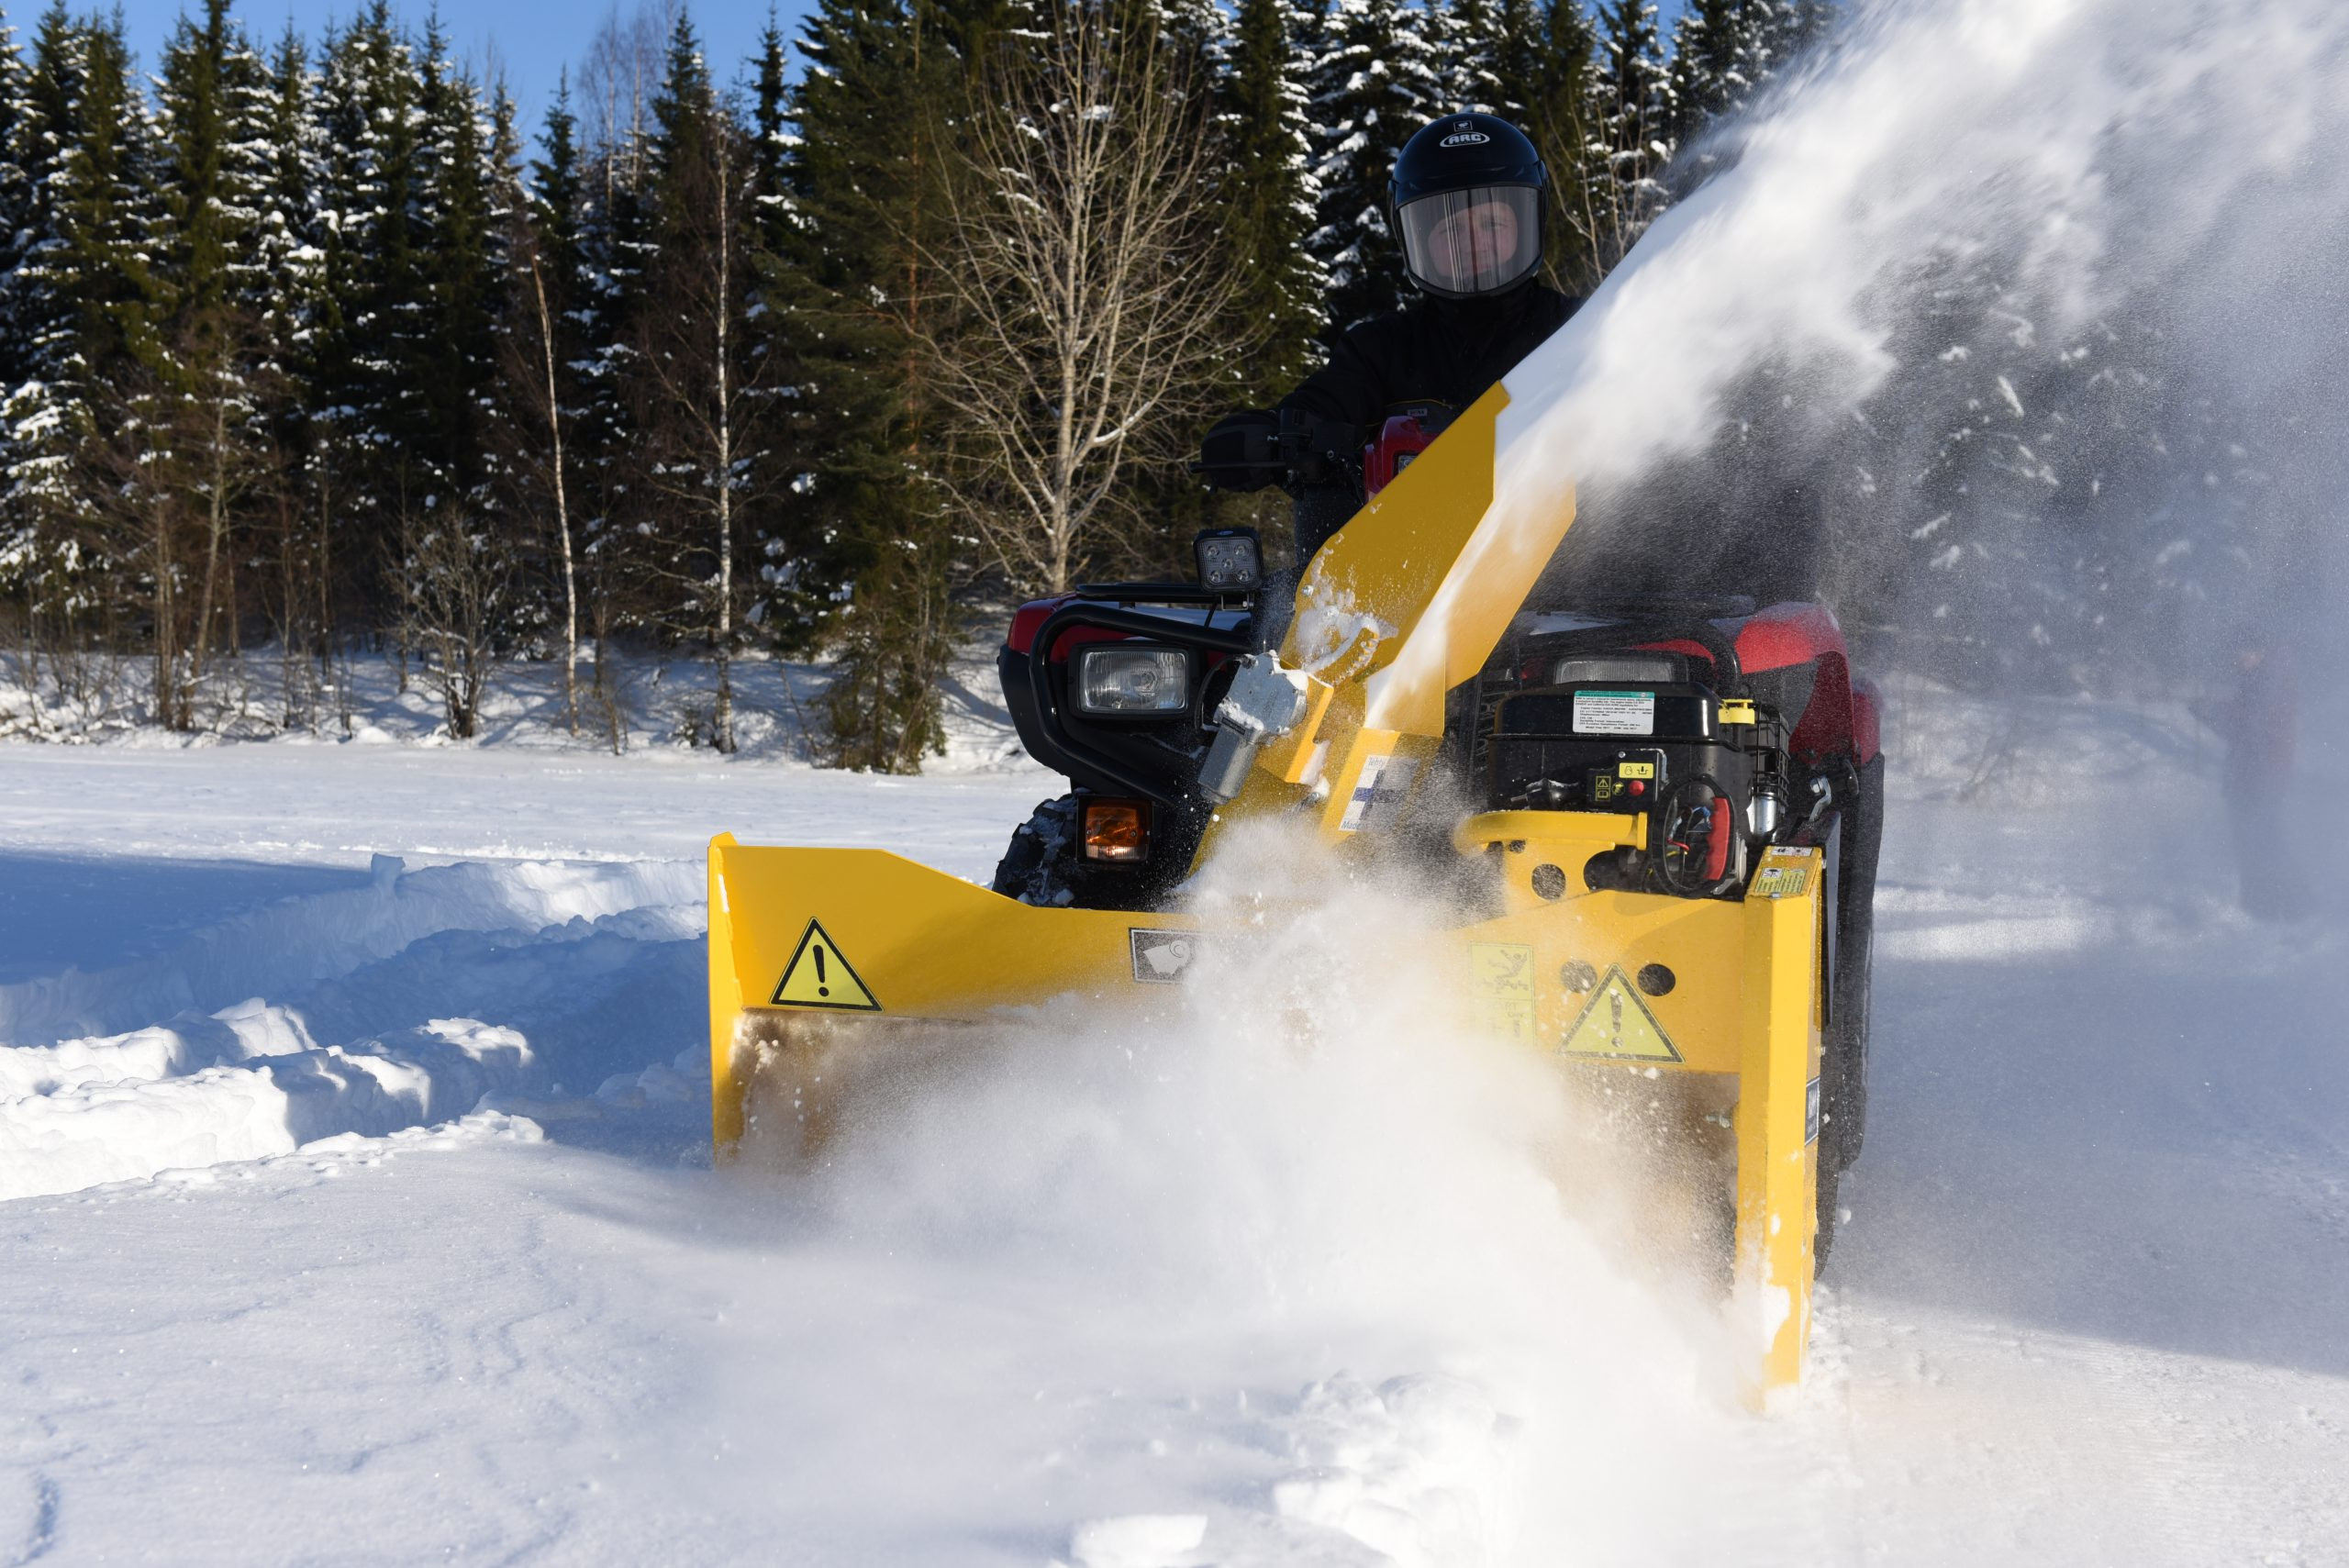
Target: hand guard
column 1243, row 452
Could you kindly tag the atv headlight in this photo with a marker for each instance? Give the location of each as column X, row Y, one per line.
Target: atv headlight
column 1128, row 678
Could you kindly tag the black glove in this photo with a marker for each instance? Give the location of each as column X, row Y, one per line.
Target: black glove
column 1243, row 452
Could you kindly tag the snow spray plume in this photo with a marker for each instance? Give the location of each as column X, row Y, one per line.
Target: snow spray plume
column 2016, row 324
column 1300, row 1168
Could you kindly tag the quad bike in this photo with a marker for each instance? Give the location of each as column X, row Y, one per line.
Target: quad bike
column 1661, row 819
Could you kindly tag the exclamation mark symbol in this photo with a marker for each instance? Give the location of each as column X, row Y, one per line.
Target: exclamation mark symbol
column 824, row 990
column 1615, row 999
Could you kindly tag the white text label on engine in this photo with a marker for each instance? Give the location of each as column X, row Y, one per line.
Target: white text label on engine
column 1614, row 713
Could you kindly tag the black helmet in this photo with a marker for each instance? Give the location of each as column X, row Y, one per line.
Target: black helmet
column 1465, row 204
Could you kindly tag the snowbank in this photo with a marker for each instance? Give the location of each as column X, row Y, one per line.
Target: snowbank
column 230, row 1075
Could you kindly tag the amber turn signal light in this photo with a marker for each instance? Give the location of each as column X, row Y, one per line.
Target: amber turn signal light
column 1117, row 831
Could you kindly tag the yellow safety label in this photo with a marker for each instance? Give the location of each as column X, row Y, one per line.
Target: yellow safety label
column 1635, row 769
column 1783, row 874
column 817, row 976
column 1616, row 1024
column 1500, row 980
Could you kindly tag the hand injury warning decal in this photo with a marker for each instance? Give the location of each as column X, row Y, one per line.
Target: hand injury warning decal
column 1501, row 978
column 817, row 976
column 1616, row 1025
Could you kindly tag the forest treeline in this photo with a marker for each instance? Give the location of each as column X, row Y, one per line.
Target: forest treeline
column 308, row 343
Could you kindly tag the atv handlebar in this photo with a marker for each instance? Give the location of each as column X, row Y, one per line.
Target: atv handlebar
column 1287, row 447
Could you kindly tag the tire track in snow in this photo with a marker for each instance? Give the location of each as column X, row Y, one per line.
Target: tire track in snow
column 40, row 1525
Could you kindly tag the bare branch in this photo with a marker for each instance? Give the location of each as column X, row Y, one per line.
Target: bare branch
column 1087, row 318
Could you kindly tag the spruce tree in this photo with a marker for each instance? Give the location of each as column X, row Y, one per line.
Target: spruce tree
column 1380, row 81
column 288, row 247
column 873, row 111
column 556, row 190
column 215, row 109
column 448, row 351
column 210, row 432
column 1268, row 197
column 84, row 300
column 1634, row 120
column 699, row 390
column 1542, row 67
column 539, row 354
column 770, row 139
column 1724, row 52
column 1470, row 44
column 285, row 237
column 19, row 541
column 372, row 440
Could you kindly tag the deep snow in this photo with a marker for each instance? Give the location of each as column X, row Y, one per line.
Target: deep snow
column 352, row 1112
column 437, row 1268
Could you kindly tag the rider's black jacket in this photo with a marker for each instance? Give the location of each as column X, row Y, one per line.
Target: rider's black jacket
column 1447, row 351
column 1433, row 350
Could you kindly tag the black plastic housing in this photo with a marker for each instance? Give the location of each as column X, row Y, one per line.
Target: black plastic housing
column 1534, row 742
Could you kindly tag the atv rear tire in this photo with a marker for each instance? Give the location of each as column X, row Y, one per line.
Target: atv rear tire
column 1843, row 1057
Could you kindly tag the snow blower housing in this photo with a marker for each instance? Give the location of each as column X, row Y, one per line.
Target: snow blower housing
column 1660, row 819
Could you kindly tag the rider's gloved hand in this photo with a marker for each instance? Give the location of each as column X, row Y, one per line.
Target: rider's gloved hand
column 1243, row 452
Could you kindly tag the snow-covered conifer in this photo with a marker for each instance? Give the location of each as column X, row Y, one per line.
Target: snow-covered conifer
column 1269, row 196
column 1469, row 41
column 84, row 304
column 1633, row 123
column 1380, row 79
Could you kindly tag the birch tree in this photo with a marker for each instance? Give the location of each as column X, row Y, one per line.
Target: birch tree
column 1085, row 327
column 699, row 391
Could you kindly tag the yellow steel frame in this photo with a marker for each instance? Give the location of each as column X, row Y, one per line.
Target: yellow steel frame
column 1405, row 602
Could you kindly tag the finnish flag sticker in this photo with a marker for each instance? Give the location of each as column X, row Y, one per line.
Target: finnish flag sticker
column 1384, row 782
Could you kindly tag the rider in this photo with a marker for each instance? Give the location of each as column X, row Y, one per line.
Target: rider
column 1466, row 202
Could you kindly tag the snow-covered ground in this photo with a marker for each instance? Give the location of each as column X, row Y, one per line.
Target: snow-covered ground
column 351, row 1123
column 646, row 702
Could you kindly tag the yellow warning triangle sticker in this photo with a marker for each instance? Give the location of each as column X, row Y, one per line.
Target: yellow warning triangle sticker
column 1616, row 1024
column 817, row 976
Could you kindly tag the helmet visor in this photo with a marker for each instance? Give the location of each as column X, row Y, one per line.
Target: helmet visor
column 1478, row 240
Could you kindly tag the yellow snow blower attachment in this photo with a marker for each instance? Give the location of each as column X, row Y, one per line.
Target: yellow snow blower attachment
column 1661, row 852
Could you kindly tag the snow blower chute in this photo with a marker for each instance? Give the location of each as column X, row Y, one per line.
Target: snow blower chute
column 1670, row 839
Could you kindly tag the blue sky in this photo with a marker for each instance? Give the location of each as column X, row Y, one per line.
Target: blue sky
column 530, row 40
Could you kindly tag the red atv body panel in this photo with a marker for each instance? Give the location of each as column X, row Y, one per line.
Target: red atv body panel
column 1843, row 717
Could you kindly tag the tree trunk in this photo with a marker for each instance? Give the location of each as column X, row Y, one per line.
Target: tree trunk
column 167, row 705
column 723, row 718
column 216, row 521
column 562, row 513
